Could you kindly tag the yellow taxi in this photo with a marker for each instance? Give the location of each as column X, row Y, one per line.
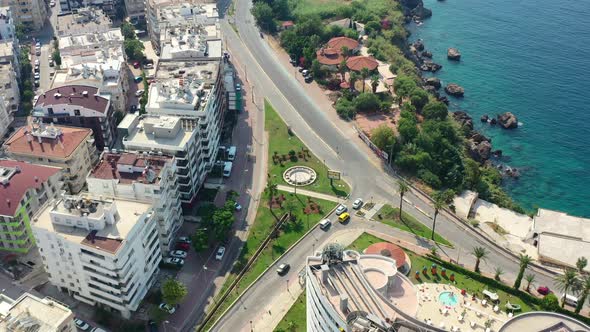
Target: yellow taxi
column 344, row 217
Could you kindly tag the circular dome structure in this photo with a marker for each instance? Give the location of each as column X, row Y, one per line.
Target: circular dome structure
column 299, row 176
column 389, row 250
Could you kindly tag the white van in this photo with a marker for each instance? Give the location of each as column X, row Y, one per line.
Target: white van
column 231, row 153
column 227, row 169
column 570, row 299
column 325, row 224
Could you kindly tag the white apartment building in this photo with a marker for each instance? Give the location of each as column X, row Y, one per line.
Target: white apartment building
column 30, row 313
column 24, row 188
column 70, row 148
column 135, row 10
column 165, row 18
column 144, row 177
column 102, row 252
column 191, row 90
column 104, row 68
column 86, row 20
column 172, row 136
column 99, row 38
column 31, row 13
column 7, row 26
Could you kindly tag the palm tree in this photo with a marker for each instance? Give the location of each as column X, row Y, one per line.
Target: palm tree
column 529, row 278
column 342, row 69
column 498, row 271
column 290, row 206
column 374, row 83
column 403, row 189
column 567, row 281
column 271, row 191
column 364, row 74
column 353, row 77
column 524, row 262
column 581, row 264
column 439, row 203
column 480, row 254
column 585, row 286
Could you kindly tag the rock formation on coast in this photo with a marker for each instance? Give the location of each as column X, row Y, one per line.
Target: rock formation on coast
column 453, row 54
column 508, row 120
column 454, row 90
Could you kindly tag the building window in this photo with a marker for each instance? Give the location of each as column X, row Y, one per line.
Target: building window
column 77, row 112
column 50, row 110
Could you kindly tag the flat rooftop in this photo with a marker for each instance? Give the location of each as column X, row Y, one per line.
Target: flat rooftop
column 86, row 20
column 182, row 11
column 140, row 133
column 30, row 313
column 108, row 239
column 6, row 49
column 549, row 221
column 94, row 40
column 130, row 167
column 543, row 322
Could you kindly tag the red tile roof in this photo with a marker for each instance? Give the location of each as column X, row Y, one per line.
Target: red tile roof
column 339, row 42
column 287, row 24
column 30, row 176
column 73, row 95
column 329, row 56
column 388, row 250
column 107, row 166
column 60, row 147
column 357, row 63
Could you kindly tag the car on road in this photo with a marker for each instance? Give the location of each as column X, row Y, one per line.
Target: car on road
column 37, row 76
column 182, row 246
column 357, row 203
column 237, row 206
column 283, row 269
column 36, row 68
column 341, row 209
column 81, row 325
column 52, row 4
column 36, row 62
column 153, row 326
column 238, row 87
column 174, row 261
column 293, row 61
column 300, row 69
column 178, row 254
column 138, row 93
column 51, row 63
column 138, row 79
column 36, row 83
column 184, row 239
column 168, row 308
column 325, row 223
column 133, row 109
column 220, row 253
column 97, row 329
column 136, row 64
column 344, row 217
column 308, row 78
column 148, row 66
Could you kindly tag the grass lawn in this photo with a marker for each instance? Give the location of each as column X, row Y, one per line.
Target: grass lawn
column 390, row 216
column 290, row 233
column 281, row 141
column 296, row 318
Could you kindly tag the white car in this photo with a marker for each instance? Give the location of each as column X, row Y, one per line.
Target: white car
column 168, row 308
column 174, row 261
column 52, row 4
column 138, row 93
column 178, row 254
column 81, row 325
column 357, row 204
column 341, row 209
column 36, row 62
column 184, row 239
column 220, row 253
column 325, row 223
column 148, row 66
column 37, row 76
column 238, row 206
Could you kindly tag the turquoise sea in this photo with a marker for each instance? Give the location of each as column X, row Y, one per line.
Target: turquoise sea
column 531, row 58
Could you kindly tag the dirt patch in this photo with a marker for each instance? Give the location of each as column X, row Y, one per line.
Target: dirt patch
column 368, row 122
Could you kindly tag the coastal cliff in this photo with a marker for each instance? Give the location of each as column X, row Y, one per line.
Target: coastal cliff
column 415, row 8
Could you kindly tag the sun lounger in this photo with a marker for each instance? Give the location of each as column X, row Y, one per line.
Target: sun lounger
column 491, row 295
column 496, row 308
column 510, row 315
column 484, row 302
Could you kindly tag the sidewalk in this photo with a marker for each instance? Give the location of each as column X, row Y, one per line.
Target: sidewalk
column 309, row 193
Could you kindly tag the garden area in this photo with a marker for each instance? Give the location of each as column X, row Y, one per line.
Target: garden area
column 390, row 216
column 287, row 150
column 305, row 211
column 296, row 318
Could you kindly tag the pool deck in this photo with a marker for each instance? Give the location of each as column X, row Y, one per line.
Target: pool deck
column 466, row 315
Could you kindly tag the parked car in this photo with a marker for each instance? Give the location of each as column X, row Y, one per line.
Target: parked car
column 238, row 87
column 136, row 64
column 37, row 76
column 344, row 217
column 174, row 261
column 168, row 308
column 51, row 63
column 305, row 72
column 133, row 109
column 52, row 4
column 38, row 52
column 36, row 83
column 357, row 203
column 293, row 61
column 238, row 206
column 325, row 223
column 36, row 68
column 138, row 79
column 148, row 66
column 182, row 246
column 153, row 326
column 220, row 253
column 178, row 254
column 283, row 269
column 97, row 329
column 341, row 209
column 36, row 62
column 300, row 69
column 308, row 78
column 81, row 325
column 543, row 290
column 184, row 239
column 138, row 93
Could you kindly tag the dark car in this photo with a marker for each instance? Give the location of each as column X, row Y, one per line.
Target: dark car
column 182, row 246
column 283, row 269
column 308, row 78
column 153, row 326
column 133, row 109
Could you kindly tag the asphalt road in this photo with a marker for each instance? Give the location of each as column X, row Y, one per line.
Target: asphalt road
column 330, row 143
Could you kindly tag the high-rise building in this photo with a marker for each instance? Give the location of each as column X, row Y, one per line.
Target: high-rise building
column 69, row 148
column 24, row 188
column 30, row 13
column 144, row 177
column 101, row 251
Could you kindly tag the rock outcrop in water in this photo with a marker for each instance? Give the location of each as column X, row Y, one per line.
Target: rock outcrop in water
column 479, row 147
column 415, row 8
column 508, row 120
column 454, row 90
column 463, row 119
column 434, row 82
column 430, row 66
column 453, row 54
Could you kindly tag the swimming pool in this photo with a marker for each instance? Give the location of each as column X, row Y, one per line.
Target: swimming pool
column 448, row 298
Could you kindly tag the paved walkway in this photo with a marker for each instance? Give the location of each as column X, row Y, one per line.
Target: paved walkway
column 309, row 193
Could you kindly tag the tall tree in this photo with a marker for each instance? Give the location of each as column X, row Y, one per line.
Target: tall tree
column 439, row 203
column 353, row 77
column 403, row 189
column 290, row 206
column 529, row 278
column 480, row 254
column 364, row 74
column 173, row 291
column 524, row 261
column 342, row 69
column 581, row 264
column 566, row 282
column 585, row 290
column 498, row 272
column 383, row 136
column 374, row 83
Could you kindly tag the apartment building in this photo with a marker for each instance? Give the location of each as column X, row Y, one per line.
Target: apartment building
column 90, row 39
column 31, row 313
column 7, row 26
column 24, row 188
column 173, row 136
column 70, row 148
column 192, row 90
column 135, row 10
column 144, row 177
column 79, row 106
column 86, row 20
column 103, row 252
column 31, row 13
column 104, row 69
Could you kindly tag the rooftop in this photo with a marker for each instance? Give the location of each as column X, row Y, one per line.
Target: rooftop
column 339, row 42
column 91, row 40
column 32, row 314
column 357, row 63
column 106, row 223
column 16, row 177
column 548, row 221
column 78, row 95
column 86, row 20
column 130, row 167
column 543, row 322
column 329, row 56
column 195, row 41
column 48, row 141
column 388, row 250
column 7, row 50
column 163, row 132
column 103, row 65
column 180, row 12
